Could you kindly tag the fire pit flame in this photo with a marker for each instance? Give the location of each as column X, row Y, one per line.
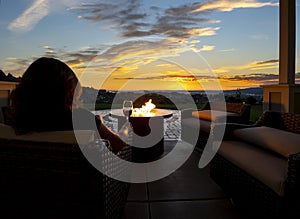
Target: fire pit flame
column 145, row 109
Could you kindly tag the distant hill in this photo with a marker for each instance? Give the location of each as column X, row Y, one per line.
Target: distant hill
column 247, row 91
column 9, row 77
column 2, row 75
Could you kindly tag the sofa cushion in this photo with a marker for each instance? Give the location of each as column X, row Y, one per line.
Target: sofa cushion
column 195, row 124
column 68, row 137
column 282, row 142
column 262, row 165
column 212, row 115
column 230, row 107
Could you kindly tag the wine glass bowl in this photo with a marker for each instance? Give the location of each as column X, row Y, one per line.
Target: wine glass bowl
column 127, row 108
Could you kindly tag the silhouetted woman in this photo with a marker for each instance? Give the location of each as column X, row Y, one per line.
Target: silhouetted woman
column 43, row 101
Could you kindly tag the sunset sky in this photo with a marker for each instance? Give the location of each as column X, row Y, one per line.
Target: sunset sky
column 148, row 44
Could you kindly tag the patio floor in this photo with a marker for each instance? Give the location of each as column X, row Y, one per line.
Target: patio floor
column 188, row 192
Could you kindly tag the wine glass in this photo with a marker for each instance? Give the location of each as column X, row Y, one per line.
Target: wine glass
column 126, row 130
column 127, row 108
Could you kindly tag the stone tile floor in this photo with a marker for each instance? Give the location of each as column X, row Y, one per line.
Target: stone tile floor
column 187, row 193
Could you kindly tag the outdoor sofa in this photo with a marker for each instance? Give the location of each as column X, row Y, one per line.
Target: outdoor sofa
column 45, row 175
column 203, row 119
column 259, row 166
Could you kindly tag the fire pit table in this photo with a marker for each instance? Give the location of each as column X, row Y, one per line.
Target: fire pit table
column 141, row 127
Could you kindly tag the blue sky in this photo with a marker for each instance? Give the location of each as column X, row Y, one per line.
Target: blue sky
column 237, row 41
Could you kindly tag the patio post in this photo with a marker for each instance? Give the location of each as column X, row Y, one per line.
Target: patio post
column 282, row 97
column 6, row 88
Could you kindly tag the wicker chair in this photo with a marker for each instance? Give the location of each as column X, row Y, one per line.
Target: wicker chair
column 193, row 120
column 252, row 197
column 55, row 180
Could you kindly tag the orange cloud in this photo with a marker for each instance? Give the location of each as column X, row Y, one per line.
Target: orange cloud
column 253, row 66
column 229, row 5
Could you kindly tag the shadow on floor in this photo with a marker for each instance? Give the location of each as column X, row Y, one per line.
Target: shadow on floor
column 189, row 193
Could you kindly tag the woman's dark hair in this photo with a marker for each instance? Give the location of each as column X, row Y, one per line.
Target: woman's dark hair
column 44, row 98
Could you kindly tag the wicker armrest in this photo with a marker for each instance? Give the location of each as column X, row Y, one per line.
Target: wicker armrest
column 264, row 118
column 245, row 113
column 206, row 106
column 115, row 192
column 293, row 179
column 292, row 186
column 284, row 121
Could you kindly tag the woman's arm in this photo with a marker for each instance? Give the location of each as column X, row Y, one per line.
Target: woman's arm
column 85, row 120
column 115, row 141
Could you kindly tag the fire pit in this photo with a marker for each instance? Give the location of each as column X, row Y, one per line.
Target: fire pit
column 145, row 110
column 139, row 120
